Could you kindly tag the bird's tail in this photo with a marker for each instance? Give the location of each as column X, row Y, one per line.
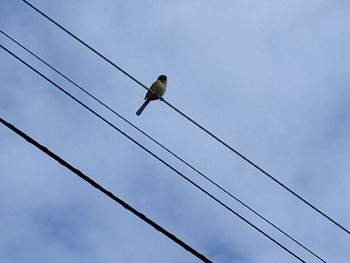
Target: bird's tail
column 142, row 107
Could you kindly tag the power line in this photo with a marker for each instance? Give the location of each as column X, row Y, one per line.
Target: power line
column 154, row 155
column 196, row 124
column 105, row 191
column 166, row 149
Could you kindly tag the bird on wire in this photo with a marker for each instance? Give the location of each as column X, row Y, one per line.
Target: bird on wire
column 155, row 92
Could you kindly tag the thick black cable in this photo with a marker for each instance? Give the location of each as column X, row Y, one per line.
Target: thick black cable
column 154, row 155
column 163, row 147
column 196, row 124
column 105, row 191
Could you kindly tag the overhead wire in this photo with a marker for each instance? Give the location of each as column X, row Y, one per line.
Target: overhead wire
column 105, row 191
column 246, row 159
column 163, row 147
column 154, row 155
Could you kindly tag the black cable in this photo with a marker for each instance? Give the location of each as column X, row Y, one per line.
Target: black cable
column 105, row 191
column 166, row 149
column 154, row 155
column 197, row 124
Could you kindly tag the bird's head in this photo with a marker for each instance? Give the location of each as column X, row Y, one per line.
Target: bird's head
column 162, row 78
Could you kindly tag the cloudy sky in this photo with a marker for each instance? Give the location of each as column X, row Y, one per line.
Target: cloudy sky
column 270, row 78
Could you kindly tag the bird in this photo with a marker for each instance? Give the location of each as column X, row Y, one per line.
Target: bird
column 155, row 92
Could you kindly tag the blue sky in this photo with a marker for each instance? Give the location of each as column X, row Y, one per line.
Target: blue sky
column 270, row 78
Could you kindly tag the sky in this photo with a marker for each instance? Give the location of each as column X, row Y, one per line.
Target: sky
column 270, row 78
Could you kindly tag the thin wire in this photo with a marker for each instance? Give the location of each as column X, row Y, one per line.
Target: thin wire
column 196, row 124
column 166, row 149
column 105, row 191
column 154, row 155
